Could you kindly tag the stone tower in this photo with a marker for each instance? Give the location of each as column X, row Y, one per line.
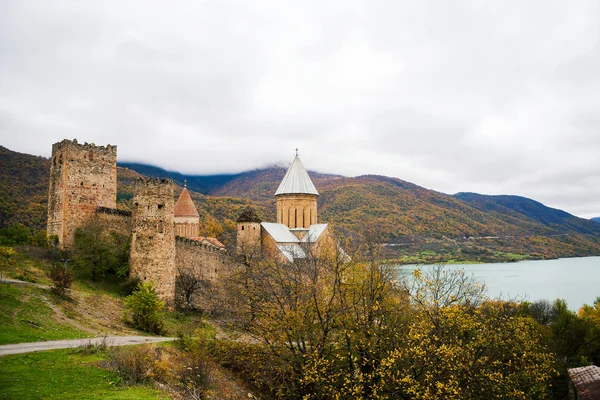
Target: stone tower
column 296, row 198
column 83, row 177
column 248, row 232
column 152, row 256
column 187, row 219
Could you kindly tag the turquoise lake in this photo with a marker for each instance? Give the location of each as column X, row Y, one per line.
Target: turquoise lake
column 577, row 280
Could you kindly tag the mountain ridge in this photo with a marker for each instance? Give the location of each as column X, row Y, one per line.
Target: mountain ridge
column 399, row 211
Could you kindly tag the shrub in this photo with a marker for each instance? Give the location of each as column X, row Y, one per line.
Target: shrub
column 6, row 260
column 195, row 376
column 62, row 278
column 23, row 275
column 16, row 234
column 187, row 373
column 146, row 308
column 134, row 364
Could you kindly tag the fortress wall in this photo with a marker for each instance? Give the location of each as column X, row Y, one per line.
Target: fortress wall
column 115, row 220
column 205, row 262
column 82, row 177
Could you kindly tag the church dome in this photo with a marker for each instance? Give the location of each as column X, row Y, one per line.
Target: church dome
column 296, row 180
column 185, row 206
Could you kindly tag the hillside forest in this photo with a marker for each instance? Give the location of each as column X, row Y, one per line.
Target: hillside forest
column 415, row 225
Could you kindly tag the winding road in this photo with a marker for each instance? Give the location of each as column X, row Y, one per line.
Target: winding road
column 19, row 348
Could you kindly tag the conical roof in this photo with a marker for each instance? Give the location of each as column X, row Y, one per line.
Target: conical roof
column 296, row 180
column 185, row 206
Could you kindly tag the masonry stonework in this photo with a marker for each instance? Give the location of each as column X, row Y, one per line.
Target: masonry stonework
column 207, row 263
column 115, row 220
column 297, row 210
column 83, row 177
column 152, row 256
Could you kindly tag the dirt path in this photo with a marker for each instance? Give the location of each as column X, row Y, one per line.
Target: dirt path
column 18, row 282
column 66, row 344
column 60, row 317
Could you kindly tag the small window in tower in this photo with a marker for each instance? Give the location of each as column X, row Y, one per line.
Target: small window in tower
column 242, row 227
column 160, row 206
column 81, row 183
column 91, row 156
column 135, row 204
column 253, row 228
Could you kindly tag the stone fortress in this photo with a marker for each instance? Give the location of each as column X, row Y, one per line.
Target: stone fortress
column 164, row 233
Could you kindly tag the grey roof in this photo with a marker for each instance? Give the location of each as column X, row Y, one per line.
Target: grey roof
column 296, row 180
column 291, row 251
column 279, row 232
column 314, row 233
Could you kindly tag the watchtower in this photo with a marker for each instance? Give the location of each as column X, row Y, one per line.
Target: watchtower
column 152, row 256
column 248, row 232
column 83, row 177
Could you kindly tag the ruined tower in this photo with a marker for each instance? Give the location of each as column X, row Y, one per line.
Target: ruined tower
column 152, row 256
column 296, row 198
column 248, row 232
column 187, row 219
column 83, row 177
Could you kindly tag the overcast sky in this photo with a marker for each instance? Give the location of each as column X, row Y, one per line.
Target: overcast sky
column 493, row 97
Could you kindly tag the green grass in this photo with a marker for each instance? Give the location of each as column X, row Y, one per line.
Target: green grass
column 64, row 374
column 25, row 317
column 191, row 323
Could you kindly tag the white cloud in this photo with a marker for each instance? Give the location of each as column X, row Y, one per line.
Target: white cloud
column 496, row 97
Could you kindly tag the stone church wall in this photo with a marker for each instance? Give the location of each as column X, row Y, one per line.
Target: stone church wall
column 297, row 210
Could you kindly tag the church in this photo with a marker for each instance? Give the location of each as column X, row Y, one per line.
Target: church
column 297, row 231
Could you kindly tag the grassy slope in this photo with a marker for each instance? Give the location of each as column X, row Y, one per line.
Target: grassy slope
column 61, row 374
column 26, row 317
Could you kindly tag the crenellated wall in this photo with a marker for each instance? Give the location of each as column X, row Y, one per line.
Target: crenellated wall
column 115, row 220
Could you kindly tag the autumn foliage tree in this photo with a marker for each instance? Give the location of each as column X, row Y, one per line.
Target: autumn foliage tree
column 346, row 328
column 97, row 250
